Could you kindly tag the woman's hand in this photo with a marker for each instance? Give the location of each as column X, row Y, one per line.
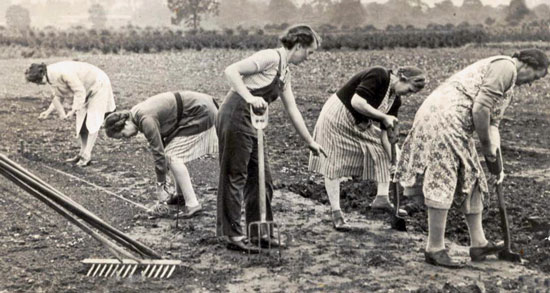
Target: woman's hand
column 258, row 104
column 317, row 149
column 44, row 115
column 389, row 121
column 68, row 115
column 489, row 150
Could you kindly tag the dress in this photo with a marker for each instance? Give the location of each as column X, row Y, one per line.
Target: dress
column 88, row 86
column 352, row 142
column 439, row 152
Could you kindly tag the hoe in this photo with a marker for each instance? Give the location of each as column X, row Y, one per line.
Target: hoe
column 126, row 264
column 260, row 122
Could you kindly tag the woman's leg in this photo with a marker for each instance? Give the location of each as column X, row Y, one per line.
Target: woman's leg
column 382, row 199
column 475, row 227
column 333, row 190
column 437, row 220
column 183, row 182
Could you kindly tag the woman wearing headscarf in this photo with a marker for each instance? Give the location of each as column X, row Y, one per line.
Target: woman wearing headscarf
column 179, row 129
column 255, row 82
column 439, row 159
column 90, row 89
column 355, row 145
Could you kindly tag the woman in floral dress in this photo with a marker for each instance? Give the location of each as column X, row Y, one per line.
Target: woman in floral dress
column 439, row 157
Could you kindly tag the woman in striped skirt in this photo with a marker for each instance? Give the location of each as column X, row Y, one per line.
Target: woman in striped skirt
column 179, row 128
column 355, row 146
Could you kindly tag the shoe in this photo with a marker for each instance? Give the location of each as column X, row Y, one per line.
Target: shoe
column 480, row 253
column 338, row 221
column 83, row 163
column 159, row 210
column 267, row 242
column 73, row 159
column 241, row 245
column 189, row 212
column 442, row 259
column 387, row 206
column 176, row 200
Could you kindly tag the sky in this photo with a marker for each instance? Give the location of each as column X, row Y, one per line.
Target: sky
column 530, row 3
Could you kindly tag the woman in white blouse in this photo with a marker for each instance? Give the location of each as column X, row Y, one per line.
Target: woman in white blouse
column 92, row 96
column 255, row 82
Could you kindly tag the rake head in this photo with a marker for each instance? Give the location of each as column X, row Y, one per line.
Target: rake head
column 268, row 227
column 158, row 268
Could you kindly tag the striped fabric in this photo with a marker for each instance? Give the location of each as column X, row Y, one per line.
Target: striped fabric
column 351, row 151
column 188, row 148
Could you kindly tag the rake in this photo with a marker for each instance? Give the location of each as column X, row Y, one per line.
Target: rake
column 126, row 264
column 260, row 122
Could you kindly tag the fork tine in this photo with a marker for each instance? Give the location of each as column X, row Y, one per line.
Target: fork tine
column 159, row 271
column 90, row 271
column 164, row 272
column 171, row 271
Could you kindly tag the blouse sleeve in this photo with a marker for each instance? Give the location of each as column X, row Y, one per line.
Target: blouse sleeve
column 370, row 85
column 264, row 59
column 78, row 89
column 151, row 129
column 498, row 80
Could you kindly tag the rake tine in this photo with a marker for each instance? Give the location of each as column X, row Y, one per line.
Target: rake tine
column 97, row 270
column 159, row 271
column 133, row 270
column 109, row 270
column 105, row 266
column 90, row 271
column 165, row 270
column 152, row 271
column 144, row 272
column 171, row 271
column 113, row 272
column 128, row 267
column 119, row 272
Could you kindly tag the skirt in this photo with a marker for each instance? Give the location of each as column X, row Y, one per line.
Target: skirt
column 351, row 151
column 188, row 148
column 99, row 100
column 439, row 154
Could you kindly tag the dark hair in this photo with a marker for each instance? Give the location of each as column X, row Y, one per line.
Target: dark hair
column 299, row 34
column 412, row 75
column 534, row 58
column 114, row 122
column 36, row 72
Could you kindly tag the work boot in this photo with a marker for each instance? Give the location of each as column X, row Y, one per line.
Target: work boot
column 480, row 253
column 190, row 212
column 382, row 202
column 441, row 258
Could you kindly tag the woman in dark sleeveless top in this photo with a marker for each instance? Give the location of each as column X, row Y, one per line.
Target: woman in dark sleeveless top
column 255, row 81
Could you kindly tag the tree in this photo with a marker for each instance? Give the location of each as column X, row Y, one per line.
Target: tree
column 18, row 18
column 3, row 7
column 97, row 16
column 517, row 12
column 281, row 11
column 347, row 13
column 190, row 11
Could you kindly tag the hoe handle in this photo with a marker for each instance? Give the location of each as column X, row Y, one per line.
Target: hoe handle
column 502, row 207
column 395, row 184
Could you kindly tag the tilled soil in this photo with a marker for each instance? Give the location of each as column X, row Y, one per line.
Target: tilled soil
column 40, row 251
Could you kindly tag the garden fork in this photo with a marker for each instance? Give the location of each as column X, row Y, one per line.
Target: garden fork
column 260, row 122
